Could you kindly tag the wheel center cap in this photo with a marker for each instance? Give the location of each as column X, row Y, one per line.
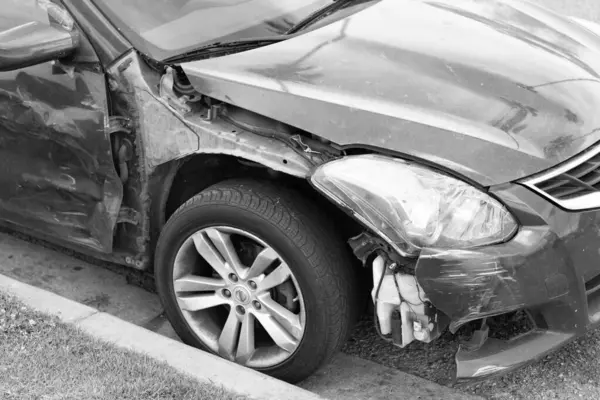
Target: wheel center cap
column 241, row 295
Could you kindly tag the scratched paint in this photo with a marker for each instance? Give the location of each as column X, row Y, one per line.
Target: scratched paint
column 58, row 177
column 168, row 135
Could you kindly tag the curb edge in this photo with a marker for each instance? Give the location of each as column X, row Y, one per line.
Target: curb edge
column 200, row 365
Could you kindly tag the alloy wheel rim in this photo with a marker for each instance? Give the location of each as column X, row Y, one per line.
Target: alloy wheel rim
column 239, row 296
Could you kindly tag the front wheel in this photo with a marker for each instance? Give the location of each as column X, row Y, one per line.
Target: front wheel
column 247, row 270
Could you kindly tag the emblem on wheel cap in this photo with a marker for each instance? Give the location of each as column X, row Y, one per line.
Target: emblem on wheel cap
column 241, row 295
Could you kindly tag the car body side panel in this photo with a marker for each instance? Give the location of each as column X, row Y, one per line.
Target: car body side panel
column 57, row 175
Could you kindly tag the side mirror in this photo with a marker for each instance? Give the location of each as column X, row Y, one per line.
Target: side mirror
column 35, row 43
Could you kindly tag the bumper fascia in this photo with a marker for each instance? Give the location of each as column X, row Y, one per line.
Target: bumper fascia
column 543, row 269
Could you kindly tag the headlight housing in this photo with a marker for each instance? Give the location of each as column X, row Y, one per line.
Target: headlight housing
column 412, row 206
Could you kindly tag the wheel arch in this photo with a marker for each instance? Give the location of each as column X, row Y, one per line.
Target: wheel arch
column 179, row 180
column 294, row 230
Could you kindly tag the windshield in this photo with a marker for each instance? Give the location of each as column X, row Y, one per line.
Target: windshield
column 167, row 28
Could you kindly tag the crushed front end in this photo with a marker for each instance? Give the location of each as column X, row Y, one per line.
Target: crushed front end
column 542, row 257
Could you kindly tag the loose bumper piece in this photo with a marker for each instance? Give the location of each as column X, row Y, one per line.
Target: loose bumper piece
column 533, row 272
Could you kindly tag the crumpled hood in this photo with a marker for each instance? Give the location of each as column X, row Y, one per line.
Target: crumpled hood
column 494, row 90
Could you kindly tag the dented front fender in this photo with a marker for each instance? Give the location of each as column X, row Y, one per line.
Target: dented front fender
column 168, row 133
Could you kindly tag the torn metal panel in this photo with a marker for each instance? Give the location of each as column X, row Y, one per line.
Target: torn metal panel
column 499, row 356
column 528, row 271
column 174, row 132
column 163, row 128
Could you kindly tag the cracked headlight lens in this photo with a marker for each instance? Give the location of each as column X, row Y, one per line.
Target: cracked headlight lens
column 412, row 206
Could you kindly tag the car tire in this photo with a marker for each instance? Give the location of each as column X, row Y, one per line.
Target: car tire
column 319, row 262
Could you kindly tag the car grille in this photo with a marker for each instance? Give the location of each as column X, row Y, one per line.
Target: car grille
column 574, row 185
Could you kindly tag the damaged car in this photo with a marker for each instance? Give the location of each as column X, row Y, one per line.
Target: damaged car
column 276, row 165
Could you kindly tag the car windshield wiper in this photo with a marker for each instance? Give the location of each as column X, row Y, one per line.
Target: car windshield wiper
column 218, row 47
column 247, row 44
column 318, row 15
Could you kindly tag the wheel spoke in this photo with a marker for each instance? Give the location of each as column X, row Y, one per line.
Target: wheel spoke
column 251, row 297
column 263, row 260
column 229, row 336
column 191, row 283
column 222, row 242
column 200, row 302
column 280, row 336
column 211, row 254
column 246, row 346
column 275, row 278
column 286, row 318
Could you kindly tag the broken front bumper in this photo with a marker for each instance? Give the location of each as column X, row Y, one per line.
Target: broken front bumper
column 551, row 268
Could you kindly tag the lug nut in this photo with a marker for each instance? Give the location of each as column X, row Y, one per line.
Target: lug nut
column 256, row 305
column 233, row 277
column 252, row 285
column 226, row 293
column 240, row 310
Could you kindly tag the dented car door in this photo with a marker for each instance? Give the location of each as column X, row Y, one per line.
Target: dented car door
column 57, row 175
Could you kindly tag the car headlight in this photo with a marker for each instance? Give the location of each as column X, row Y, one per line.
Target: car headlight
column 412, row 206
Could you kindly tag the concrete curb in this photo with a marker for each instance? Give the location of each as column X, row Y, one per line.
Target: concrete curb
column 198, row 364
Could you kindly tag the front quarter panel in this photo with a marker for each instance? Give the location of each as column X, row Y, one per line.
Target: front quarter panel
column 163, row 135
column 167, row 134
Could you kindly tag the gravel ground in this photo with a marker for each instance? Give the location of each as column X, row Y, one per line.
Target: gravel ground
column 570, row 373
column 434, row 361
